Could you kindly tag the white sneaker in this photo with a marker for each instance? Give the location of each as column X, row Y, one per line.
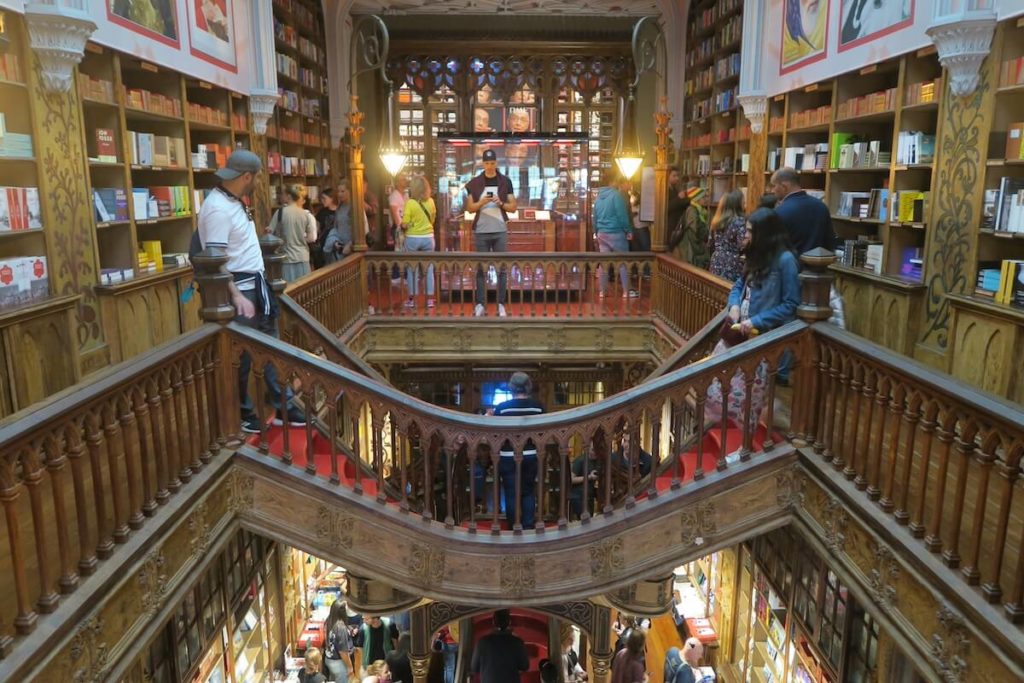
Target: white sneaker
column 501, row 311
column 479, row 311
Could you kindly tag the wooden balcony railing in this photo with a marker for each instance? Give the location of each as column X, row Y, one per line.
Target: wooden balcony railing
column 563, row 285
column 937, row 456
column 82, row 471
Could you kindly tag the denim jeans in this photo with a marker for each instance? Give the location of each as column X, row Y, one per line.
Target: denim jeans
column 527, row 491
column 490, row 242
column 267, row 324
column 613, row 242
column 336, row 668
column 424, row 243
column 451, row 651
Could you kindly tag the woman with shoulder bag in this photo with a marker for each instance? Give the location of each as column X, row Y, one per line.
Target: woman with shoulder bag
column 418, row 227
column 338, row 644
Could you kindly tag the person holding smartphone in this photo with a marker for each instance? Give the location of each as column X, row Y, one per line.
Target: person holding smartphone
column 491, row 197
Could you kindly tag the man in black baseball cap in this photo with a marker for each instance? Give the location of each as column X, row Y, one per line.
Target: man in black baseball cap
column 226, row 222
column 491, row 197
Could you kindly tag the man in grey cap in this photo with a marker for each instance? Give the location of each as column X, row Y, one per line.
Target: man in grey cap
column 226, row 222
column 491, row 197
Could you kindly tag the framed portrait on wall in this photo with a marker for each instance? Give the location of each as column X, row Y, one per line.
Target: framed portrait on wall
column 211, row 29
column 156, row 19
column 804, row 33
column 522, row 119
column 862, row 21
column 488, row 119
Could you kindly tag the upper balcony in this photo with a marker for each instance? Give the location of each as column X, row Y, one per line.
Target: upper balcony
column 91, row 476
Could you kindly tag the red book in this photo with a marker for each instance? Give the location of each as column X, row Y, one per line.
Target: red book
column 106, row 148
column 16, row 205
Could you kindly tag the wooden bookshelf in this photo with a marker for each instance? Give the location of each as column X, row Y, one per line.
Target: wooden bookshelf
column 298, row 138
column 716, row 136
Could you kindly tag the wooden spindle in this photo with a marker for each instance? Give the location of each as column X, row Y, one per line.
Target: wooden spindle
column 116, row 470
column 895, row 423
column 698, row 472
column 403, row 461
column 95, row 442
column 32, row 472
column 1008, row 475
column 747, row 431
column 882, row 399
column 196, row 444
column 174, row 459
column 449, row 492
column 842, row 423
column 428, row 483
column 495, row 490
column 132, row 459
column 10, row 491
column 911, row 416
column 862, row 449
column 378, row 449
column 539, row 507
column 517, row 456
column 971, row 569
column 309, row 396
column 928, row 424
column 965, row 447
column 564, row 482
column 182, row 426
column 946, row 434
column 652, row 476
column 854, row 464
column 332, row 407
column 286, row 427
column 356, row 458
column 55, row 462
column 203, row 408
column 86, row 548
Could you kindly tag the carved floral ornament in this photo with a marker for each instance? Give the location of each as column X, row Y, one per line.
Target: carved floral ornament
column 58, row 31
column 755, row 108
column 963, row 39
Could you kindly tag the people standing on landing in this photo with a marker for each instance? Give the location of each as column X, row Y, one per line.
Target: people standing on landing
column 341, row 245
column 491, row 197
column 500, row 656
column 420, row 213
column 613, row 225
column 226, row 222
column 806, row 218
column 297, row 228
column 728, row 232
column 522, row 404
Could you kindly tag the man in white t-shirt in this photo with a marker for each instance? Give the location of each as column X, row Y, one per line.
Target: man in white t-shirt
column 226, row 222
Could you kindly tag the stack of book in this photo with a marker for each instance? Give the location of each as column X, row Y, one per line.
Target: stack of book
column 152, row 102
column 849, row 154
column 1012, row 72
column 810, row 117
column 1002, row 281
column 20, row 209
column 288, row 99
column 198, row 113
column 111, row 276
column 14, row 145
column 160, row 151
column 23, row 279
column 210, row 156
column 10, row 68
column 161, row 201
column 90, row 88
column 151, row 257
column 863, row 252
column 873, row 103
column 921, row 93
column 853, row 204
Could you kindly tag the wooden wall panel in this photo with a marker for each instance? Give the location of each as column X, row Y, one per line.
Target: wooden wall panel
column 986, row 343
column 141, row 315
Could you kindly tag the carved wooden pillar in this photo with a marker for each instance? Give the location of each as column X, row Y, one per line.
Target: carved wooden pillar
column 756, row 166
column 356, row 176
column 419, row 646
column 601, row 652
column 815, row 285
column 662, row 117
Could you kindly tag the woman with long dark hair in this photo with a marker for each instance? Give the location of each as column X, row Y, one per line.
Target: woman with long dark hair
column 728, row 230
column 338, row 643
column 764, row 297
column 629, row 664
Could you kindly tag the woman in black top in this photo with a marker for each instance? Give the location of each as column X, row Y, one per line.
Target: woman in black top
column 398, row 661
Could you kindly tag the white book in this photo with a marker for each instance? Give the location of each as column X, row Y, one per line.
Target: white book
column 35, row 214
column 5, row 211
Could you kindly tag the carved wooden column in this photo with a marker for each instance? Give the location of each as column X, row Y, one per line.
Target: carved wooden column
column 419, row 647
column 356, row 176
column 662, row 117
column 601, row 652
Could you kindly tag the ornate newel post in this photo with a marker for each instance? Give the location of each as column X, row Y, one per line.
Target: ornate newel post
column 815, row 285
column 273, row 262
column 815, row 306
column 601, row 666
column 662, row 118
column 213, row 285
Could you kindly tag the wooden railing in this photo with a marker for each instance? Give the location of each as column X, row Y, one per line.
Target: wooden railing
column 937, row 456
column 335, row 296
column 372, row 423
column 83, row 471
column 686, row 297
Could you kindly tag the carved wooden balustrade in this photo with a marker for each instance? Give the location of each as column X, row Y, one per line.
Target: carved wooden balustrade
column 373, row 425
column 935, row 455
column 563, row 285
column 84, row 470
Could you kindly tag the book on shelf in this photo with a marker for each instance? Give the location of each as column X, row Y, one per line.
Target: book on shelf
column 915, row 147
column 10, row 68
column 111, row 276
column 23, row 279
column 989, row 278
column 1014, row 137
column 988, row 211
column 1012, row 72
column 878, row 204
column 110, row 204
column 14, row 145
column 175, row 260
column 1011, row 283
column 912, row 263
column 1009, row 205
column 909, row 206
column 873, row 257
column 853, row 204
column 839, row 142
column 152, row 250
column 20, row 209
column 106, row 146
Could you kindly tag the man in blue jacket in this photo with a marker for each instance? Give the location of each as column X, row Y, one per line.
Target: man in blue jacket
column 613, row 228
column 807, row 218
